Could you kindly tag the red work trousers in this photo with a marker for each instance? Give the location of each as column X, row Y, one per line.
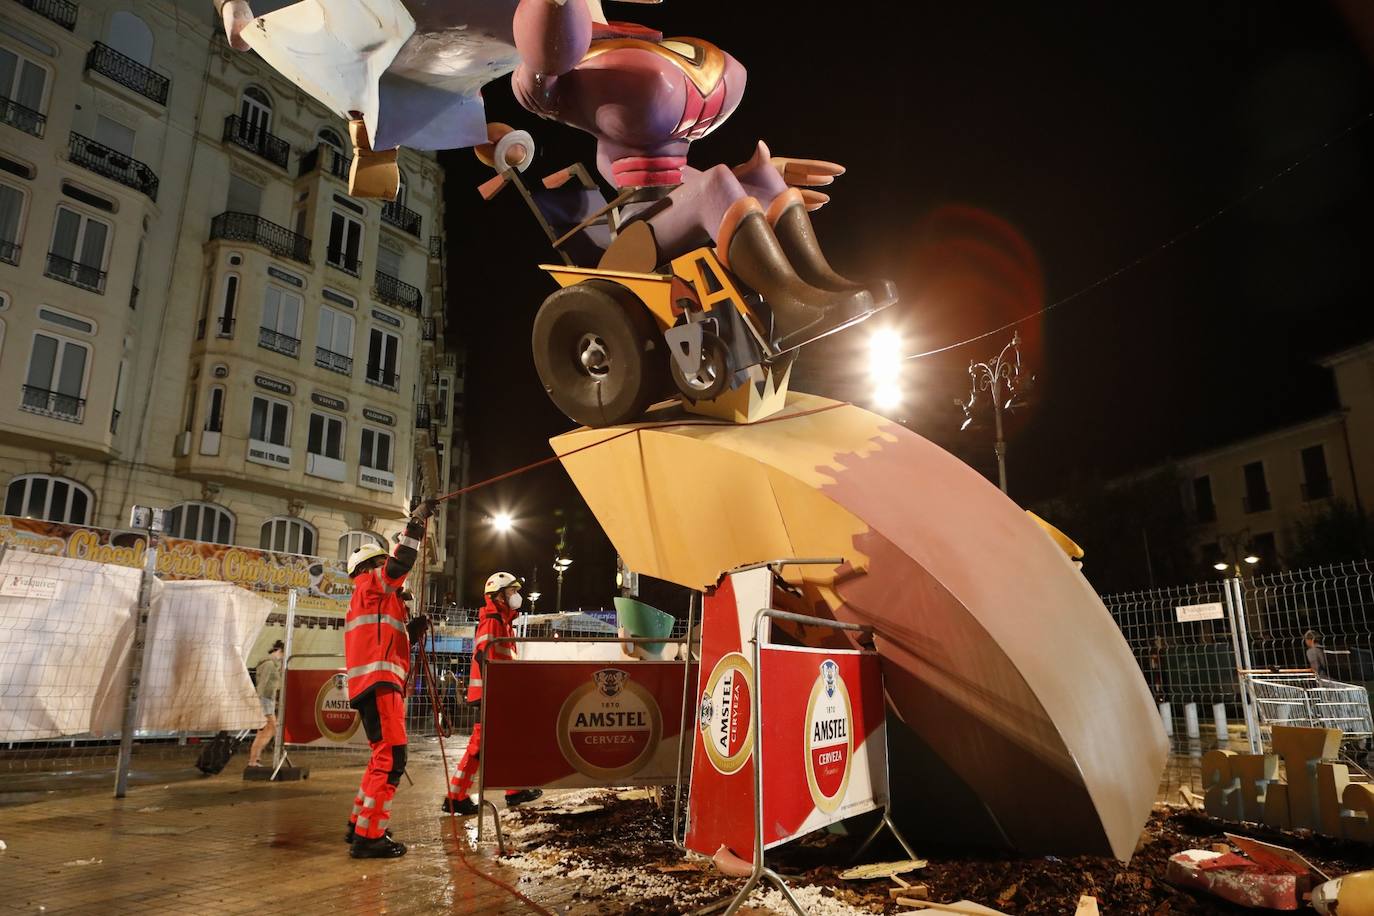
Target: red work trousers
column 383, row 715
column 460, row 783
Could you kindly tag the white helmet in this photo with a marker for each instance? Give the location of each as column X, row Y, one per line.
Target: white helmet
column 500, row 580
column 362, row 555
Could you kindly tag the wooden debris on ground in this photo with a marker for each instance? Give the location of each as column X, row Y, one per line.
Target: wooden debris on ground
column 877, row 870
column 1087, row 906
column 962, row 907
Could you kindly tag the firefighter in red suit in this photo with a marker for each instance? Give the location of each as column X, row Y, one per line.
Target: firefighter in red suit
column 378, row 632
column 495, row 622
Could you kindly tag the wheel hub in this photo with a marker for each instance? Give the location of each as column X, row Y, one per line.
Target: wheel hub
column 594, row 356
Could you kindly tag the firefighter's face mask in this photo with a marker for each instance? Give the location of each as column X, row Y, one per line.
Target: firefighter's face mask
column 514, row 601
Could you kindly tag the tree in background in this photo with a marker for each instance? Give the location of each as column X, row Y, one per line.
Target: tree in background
column 1134, row 532
column 1336, row 534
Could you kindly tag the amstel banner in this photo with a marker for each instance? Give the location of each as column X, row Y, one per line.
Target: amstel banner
column 321, row 584
column 317, row 710
column 823, row 743
column 579, row 725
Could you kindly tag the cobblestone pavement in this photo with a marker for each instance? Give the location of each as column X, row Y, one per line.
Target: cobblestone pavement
column 193, row 845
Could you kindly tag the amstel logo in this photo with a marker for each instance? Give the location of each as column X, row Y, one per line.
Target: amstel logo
column 608, row 729
column 829, row 738
column 335, row 719
column 725, row 716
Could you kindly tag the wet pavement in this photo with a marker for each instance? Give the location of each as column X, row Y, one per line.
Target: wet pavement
column 180, row 842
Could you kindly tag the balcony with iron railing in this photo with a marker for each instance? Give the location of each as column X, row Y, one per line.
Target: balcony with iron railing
column 441, row 411
column 9, row 251
column 391, row 290
column 381, row 377
column 127, row 72
column 1257, row 501
column 347, row 261
column 334, row 362
column 112, row 164
column 21, row 117
column 402, row 217
column 426, row 328
column 422, row 420
column 59, row 11
column 224, row 326
column 53, row 404
column 249, row 227
column 256, row 139
column 326, row 160
column 278, row 342
column 85, row 276
column 1319, row 488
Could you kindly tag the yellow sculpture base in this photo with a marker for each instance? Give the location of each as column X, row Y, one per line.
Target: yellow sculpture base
column 751, row 401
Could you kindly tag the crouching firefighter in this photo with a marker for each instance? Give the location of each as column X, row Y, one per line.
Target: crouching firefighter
column 377, row 636
column 495, row 623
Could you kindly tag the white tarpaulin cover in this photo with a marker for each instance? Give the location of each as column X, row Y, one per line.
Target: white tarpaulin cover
column 195, row 666
column 66, row 629
column 63, row 647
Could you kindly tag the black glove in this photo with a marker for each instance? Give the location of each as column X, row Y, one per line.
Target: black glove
column 416, row 627
column 426, row 509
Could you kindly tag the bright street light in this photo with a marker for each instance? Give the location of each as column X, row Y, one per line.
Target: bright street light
column 1252, row 559
column 502, row 522
column 885, row 361
column 1220, row 567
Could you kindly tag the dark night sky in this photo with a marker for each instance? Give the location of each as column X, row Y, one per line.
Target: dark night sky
column 1000, row 156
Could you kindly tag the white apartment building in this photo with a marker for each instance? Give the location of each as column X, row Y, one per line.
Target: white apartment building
column 194, row 313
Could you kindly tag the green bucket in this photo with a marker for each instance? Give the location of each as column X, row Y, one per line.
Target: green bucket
column 639, row 619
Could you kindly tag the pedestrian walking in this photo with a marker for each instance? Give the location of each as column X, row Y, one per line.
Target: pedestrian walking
column 378, row 632
column 1316, row 655
column 496, row 622
column 269, row 685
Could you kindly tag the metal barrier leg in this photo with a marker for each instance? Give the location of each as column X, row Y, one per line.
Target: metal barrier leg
column 683, row 720
column 885, row 821
column 495, row 819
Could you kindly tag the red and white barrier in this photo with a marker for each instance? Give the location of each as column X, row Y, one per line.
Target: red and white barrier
column 581, row 724
column 315, row 709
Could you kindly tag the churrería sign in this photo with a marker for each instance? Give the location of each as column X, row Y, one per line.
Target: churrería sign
column 321, row 584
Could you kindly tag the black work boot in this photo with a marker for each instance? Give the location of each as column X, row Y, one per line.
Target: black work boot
column 800, row 310
column 352, row 834
column 524, row 795
column 463, row 806
column 793, row 228
column 383, row 847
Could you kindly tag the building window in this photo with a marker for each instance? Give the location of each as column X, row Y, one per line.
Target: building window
column 255, row 113
column 441, row 405
column 77, row 255
column 52, row 499
column 11, row 221
column 326, row 436
column 352, row 540
column 288, row 535
column 228, row 307
column 214, row 414
column 198, row 521
column 1256, row 488
column 382, row 350
column 345, row 242
column 1264, row 547
column 270, row 421
column 22, row 84
column 1203, row 504
column 334, row 343
column 388, row 262
column 65, row 320
column 1316, row 483
column 244, row 196
column 114, row 135
column 130, row 36
column 281, row 322
column 56, row 382
column 330, row 138
column 376, row 450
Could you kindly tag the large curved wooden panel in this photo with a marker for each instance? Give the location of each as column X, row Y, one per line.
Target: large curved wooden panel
column 998, row 655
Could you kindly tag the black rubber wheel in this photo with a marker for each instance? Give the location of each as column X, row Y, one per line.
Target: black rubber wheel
column 598, row 352
column 712, row 379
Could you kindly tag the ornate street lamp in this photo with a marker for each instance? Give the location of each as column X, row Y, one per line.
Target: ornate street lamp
column 1000, row 380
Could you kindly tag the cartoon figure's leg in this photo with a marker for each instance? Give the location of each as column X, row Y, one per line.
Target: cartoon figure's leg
column 714, row 205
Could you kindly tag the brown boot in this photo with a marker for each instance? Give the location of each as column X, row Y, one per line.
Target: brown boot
column 792, row 225
column 747, row 246
column 373, row 173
